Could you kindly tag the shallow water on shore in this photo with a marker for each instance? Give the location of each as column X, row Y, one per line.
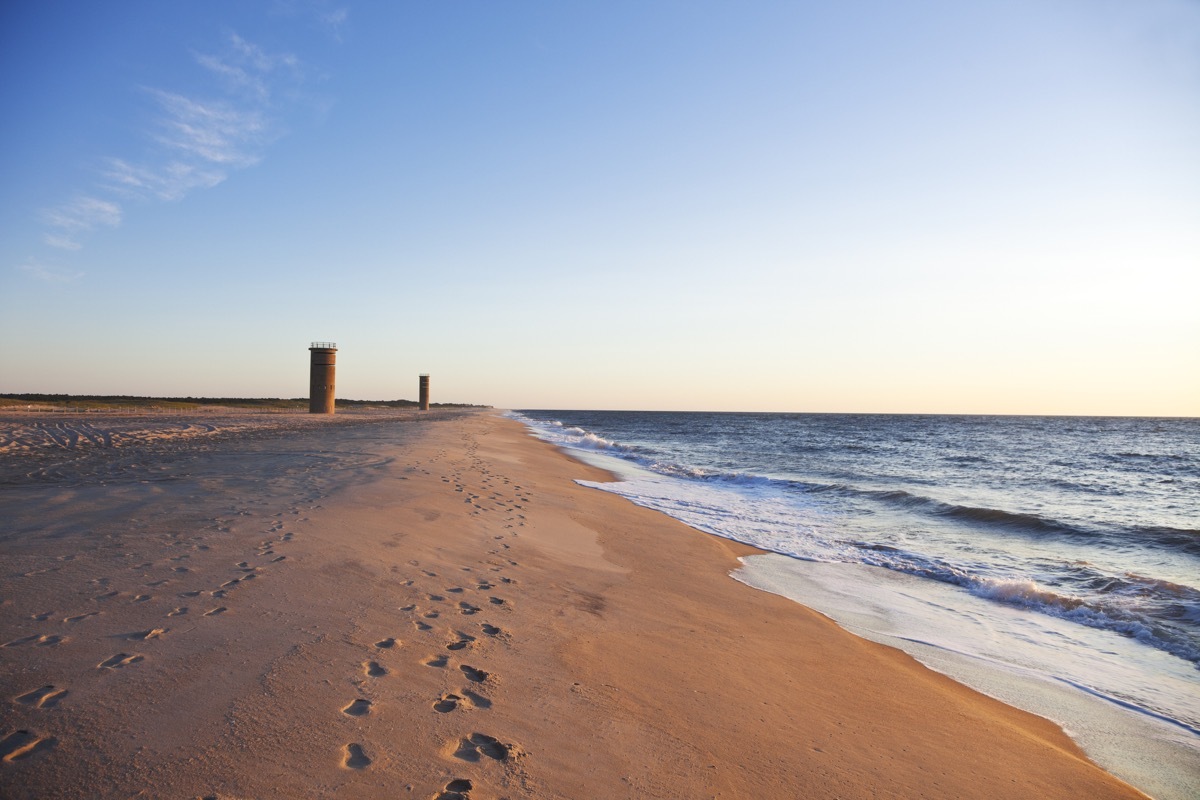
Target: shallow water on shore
column 1077, row 681
column 1060, row 551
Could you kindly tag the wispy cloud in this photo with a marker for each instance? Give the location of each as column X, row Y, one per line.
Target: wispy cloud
column 330, row 17
column 196, row 142
column 248, row 70
column 170, row 181
column 49, row 274
column 334, row 21
column 69, row 221
column 60, row 241
column 213, row 131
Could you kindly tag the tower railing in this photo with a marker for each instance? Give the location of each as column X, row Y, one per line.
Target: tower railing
column 323, row 346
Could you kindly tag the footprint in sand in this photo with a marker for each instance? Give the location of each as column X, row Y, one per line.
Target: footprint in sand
column 80, row 617
column 190, row 594
column 458, row 789
column 106, row 596
column 177, row 612
column 21, row 641
column 374, row 669
column 480, row 744
column 38, row 641
column 119, row 660
column 447, row 703
column 141, row 598
column 45, row 615
column 45, row 697
column 359, row 708
column 216, row 611
column 23, row 744
column 141, row 636
column 437, row 661
column 491, row 630
column 386, row 644
column 466, row 609
column 497, row 601
column 476, row 700
column 472, row 674
column 355, row 757
column 421, row 626
column 463, row 642
column 465, row 700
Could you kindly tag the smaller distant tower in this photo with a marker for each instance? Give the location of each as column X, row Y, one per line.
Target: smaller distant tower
column 323, row 358
column 424, row 394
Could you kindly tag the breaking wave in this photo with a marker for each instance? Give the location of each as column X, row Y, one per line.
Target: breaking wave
column 784, row 515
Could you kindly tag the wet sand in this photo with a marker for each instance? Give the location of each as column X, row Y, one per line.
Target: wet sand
column 428, row 606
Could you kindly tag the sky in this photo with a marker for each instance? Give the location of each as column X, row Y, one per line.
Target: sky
column 934, row 206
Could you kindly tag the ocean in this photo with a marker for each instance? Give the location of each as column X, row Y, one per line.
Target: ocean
column 1051, row 562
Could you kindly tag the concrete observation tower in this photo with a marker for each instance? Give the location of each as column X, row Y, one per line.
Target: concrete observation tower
column 323, row 356
column 424, row 393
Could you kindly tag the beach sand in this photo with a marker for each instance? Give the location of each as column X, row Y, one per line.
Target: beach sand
column 402, row 605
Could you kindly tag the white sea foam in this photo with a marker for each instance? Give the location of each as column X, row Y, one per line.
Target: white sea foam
column 985, row 620
column 1131, row 708
column 758, row 513
column 572, row 437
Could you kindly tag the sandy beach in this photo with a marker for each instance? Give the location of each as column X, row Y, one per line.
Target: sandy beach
column 397, row 604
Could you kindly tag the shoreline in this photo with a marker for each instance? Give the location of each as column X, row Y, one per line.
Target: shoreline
column 450, row 606
column 992, row 649
column 1152, row 752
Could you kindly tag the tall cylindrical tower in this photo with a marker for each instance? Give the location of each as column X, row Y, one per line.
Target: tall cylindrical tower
column 320, row 377
column 424, row 394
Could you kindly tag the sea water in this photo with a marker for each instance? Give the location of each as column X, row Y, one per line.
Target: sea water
column 1051, row 562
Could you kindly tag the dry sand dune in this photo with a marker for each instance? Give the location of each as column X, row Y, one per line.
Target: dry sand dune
column 429, row 607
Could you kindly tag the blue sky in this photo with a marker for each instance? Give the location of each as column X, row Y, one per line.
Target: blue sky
column 986, row 207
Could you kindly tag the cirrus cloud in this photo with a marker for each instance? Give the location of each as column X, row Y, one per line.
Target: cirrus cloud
column 49, row 274
column 196, row 141
column 69, row 221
